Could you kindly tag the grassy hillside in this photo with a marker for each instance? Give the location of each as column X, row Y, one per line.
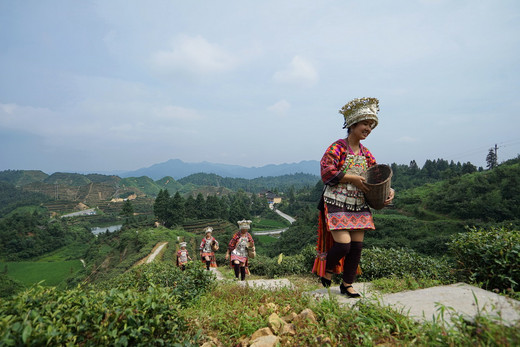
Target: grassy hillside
column 22, row 177
column 492, row 195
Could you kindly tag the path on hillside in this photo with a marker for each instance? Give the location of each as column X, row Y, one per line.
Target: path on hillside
column 277, row 231
column 430, row 304
column 286, row 216
column 153, row 254
column 427, row 304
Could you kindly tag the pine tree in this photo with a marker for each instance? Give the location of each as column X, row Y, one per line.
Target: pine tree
column 491, row 159
column 160, row 206
column 175, row 211
column 128, row 209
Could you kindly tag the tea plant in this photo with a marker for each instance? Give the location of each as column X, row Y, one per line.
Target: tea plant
column 488, row 256
column 186, row 285
column 380, row 263
column 48, row 316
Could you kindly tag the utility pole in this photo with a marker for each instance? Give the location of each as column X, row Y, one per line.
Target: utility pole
column 496, row 150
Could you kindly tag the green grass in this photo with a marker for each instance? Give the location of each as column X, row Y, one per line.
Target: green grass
column 266, row 239
column 268, row 224
column 27, row 209
column 29, row 273
column 69, row 252
column 366, row 323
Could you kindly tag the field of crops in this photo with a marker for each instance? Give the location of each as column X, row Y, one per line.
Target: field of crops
column 52, row 273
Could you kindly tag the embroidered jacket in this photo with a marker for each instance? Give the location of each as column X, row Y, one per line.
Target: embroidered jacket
column 234, row 240
column 334, row 159
column 205, row 244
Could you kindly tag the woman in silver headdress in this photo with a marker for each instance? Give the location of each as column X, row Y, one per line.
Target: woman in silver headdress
column 207, row 248
column 240, row 248
column 182, row 256
column 344, row 214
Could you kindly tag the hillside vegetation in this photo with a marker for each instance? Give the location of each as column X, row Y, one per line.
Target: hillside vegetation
column 446, row 226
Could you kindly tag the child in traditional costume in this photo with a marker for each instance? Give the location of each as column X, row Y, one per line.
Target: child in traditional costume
column 182, row 256
column 207, row 248
column 241, row 247
column 344, row 214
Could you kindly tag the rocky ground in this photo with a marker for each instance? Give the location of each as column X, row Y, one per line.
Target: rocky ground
column 433, row 303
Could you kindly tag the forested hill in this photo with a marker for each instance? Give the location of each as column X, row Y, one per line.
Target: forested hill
column 283, row 183
column 69, row 189
column 492, row 195
column 32, row 180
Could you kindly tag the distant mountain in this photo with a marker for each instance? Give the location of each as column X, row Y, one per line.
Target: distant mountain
column 178, row 169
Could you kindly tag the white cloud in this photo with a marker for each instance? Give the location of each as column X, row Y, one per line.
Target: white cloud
column 280, row 108
column 300, row 71
column 194, row 54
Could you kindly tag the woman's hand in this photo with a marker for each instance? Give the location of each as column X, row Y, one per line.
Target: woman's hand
column 227, row 255
column 390, row 198
column 358, row 181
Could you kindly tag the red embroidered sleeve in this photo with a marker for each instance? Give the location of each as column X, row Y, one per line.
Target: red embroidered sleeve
column 233, row 243
column 371, row 160
column 331, row 163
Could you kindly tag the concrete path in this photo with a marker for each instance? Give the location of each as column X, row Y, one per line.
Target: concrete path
column 154, row 254
column 430, row 304
column 277, row 231
column 273, row 284
column 286, row 216
column 427, row 304
column 217, row 273
column 270, row 232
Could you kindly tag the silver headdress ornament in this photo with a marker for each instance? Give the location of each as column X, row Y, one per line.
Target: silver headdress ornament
column 208, row 230
column 359, row 110
column 182, row 244
column 244, row 224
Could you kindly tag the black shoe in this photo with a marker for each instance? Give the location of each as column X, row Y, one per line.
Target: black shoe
column 326, row 283
column 343, row 290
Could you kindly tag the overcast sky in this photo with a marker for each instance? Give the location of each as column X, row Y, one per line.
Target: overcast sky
column 120, row 85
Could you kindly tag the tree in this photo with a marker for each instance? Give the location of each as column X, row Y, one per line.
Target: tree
column 200, row 206
column 413, row 167
column 259, row 205
column 128, row 209
column 491, row 159
column 190, row 207
column 213, row 207
column 468, row 168
column 238, row 211
column 160, row 206
column 175, row 211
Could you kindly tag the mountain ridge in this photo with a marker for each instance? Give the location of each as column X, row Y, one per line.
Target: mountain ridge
column 178, row 169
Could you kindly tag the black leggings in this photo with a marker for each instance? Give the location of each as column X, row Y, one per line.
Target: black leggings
column 335, row 253
column 240, row 270
column 352, row 261
column 352, row 253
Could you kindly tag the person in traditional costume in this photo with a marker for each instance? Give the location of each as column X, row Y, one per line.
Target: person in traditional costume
column 344, row 214
column 207, row 248
column 241, row 247
column 182, row 256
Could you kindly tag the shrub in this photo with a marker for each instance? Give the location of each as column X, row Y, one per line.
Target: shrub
column 278, row 266
column 488, row 256
column 47, row 316
column 9, row 286
column 379, row 263
column 186, row 285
